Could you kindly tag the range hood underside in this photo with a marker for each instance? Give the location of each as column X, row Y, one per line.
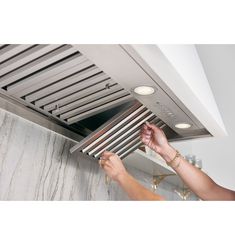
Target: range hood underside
column 57, row 83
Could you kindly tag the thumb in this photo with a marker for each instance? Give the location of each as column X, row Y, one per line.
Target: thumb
column 153, row 127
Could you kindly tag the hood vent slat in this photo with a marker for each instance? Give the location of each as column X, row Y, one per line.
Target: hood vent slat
column 77, row 94
column 25, row 57
column 36, row 65
column 100, row 108
column 11, row 51
column 122, row 132
column 44, row 78
column 62, row 80
column 79, row 86
column 95, row 97
column 92, row 104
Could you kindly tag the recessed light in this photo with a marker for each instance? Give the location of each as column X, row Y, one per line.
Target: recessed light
column 183, row 125
column 144, row 90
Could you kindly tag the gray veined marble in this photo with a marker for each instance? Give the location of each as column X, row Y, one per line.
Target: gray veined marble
column 35, row 164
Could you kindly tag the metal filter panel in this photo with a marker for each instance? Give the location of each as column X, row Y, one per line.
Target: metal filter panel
column 120, row 135
column 58, row 81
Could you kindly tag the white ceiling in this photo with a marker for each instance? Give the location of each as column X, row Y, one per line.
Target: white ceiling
column 218, row 155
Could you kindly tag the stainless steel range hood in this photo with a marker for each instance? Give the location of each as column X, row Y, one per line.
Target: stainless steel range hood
column 88, row 91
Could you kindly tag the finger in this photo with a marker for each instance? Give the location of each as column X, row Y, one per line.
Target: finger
column 100, row 163
column 103, row 162
column 146, row 135
column 106, row 169
column 153, row 127
column 107, row 163
column 145, row 128
column 145, row 141
column 147, row 132
column 106, row 154
column 147, row 138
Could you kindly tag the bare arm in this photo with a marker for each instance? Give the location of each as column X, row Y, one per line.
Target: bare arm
column 135, row 190
column 114, row 168
column 200, row 183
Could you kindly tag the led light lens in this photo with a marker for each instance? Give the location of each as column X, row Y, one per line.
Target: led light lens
column 144, row 90
column 183, row 125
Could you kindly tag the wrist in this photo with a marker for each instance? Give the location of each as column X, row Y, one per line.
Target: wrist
column 167, row 153
column 122, row 177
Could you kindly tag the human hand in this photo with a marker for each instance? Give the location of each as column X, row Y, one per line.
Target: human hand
column 154, row 138
column 112, row 165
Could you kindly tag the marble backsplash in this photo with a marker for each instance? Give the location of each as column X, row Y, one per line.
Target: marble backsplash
column 35, row 164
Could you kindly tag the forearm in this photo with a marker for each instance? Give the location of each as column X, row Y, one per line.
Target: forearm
column 200, row 183
column 135, row 190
